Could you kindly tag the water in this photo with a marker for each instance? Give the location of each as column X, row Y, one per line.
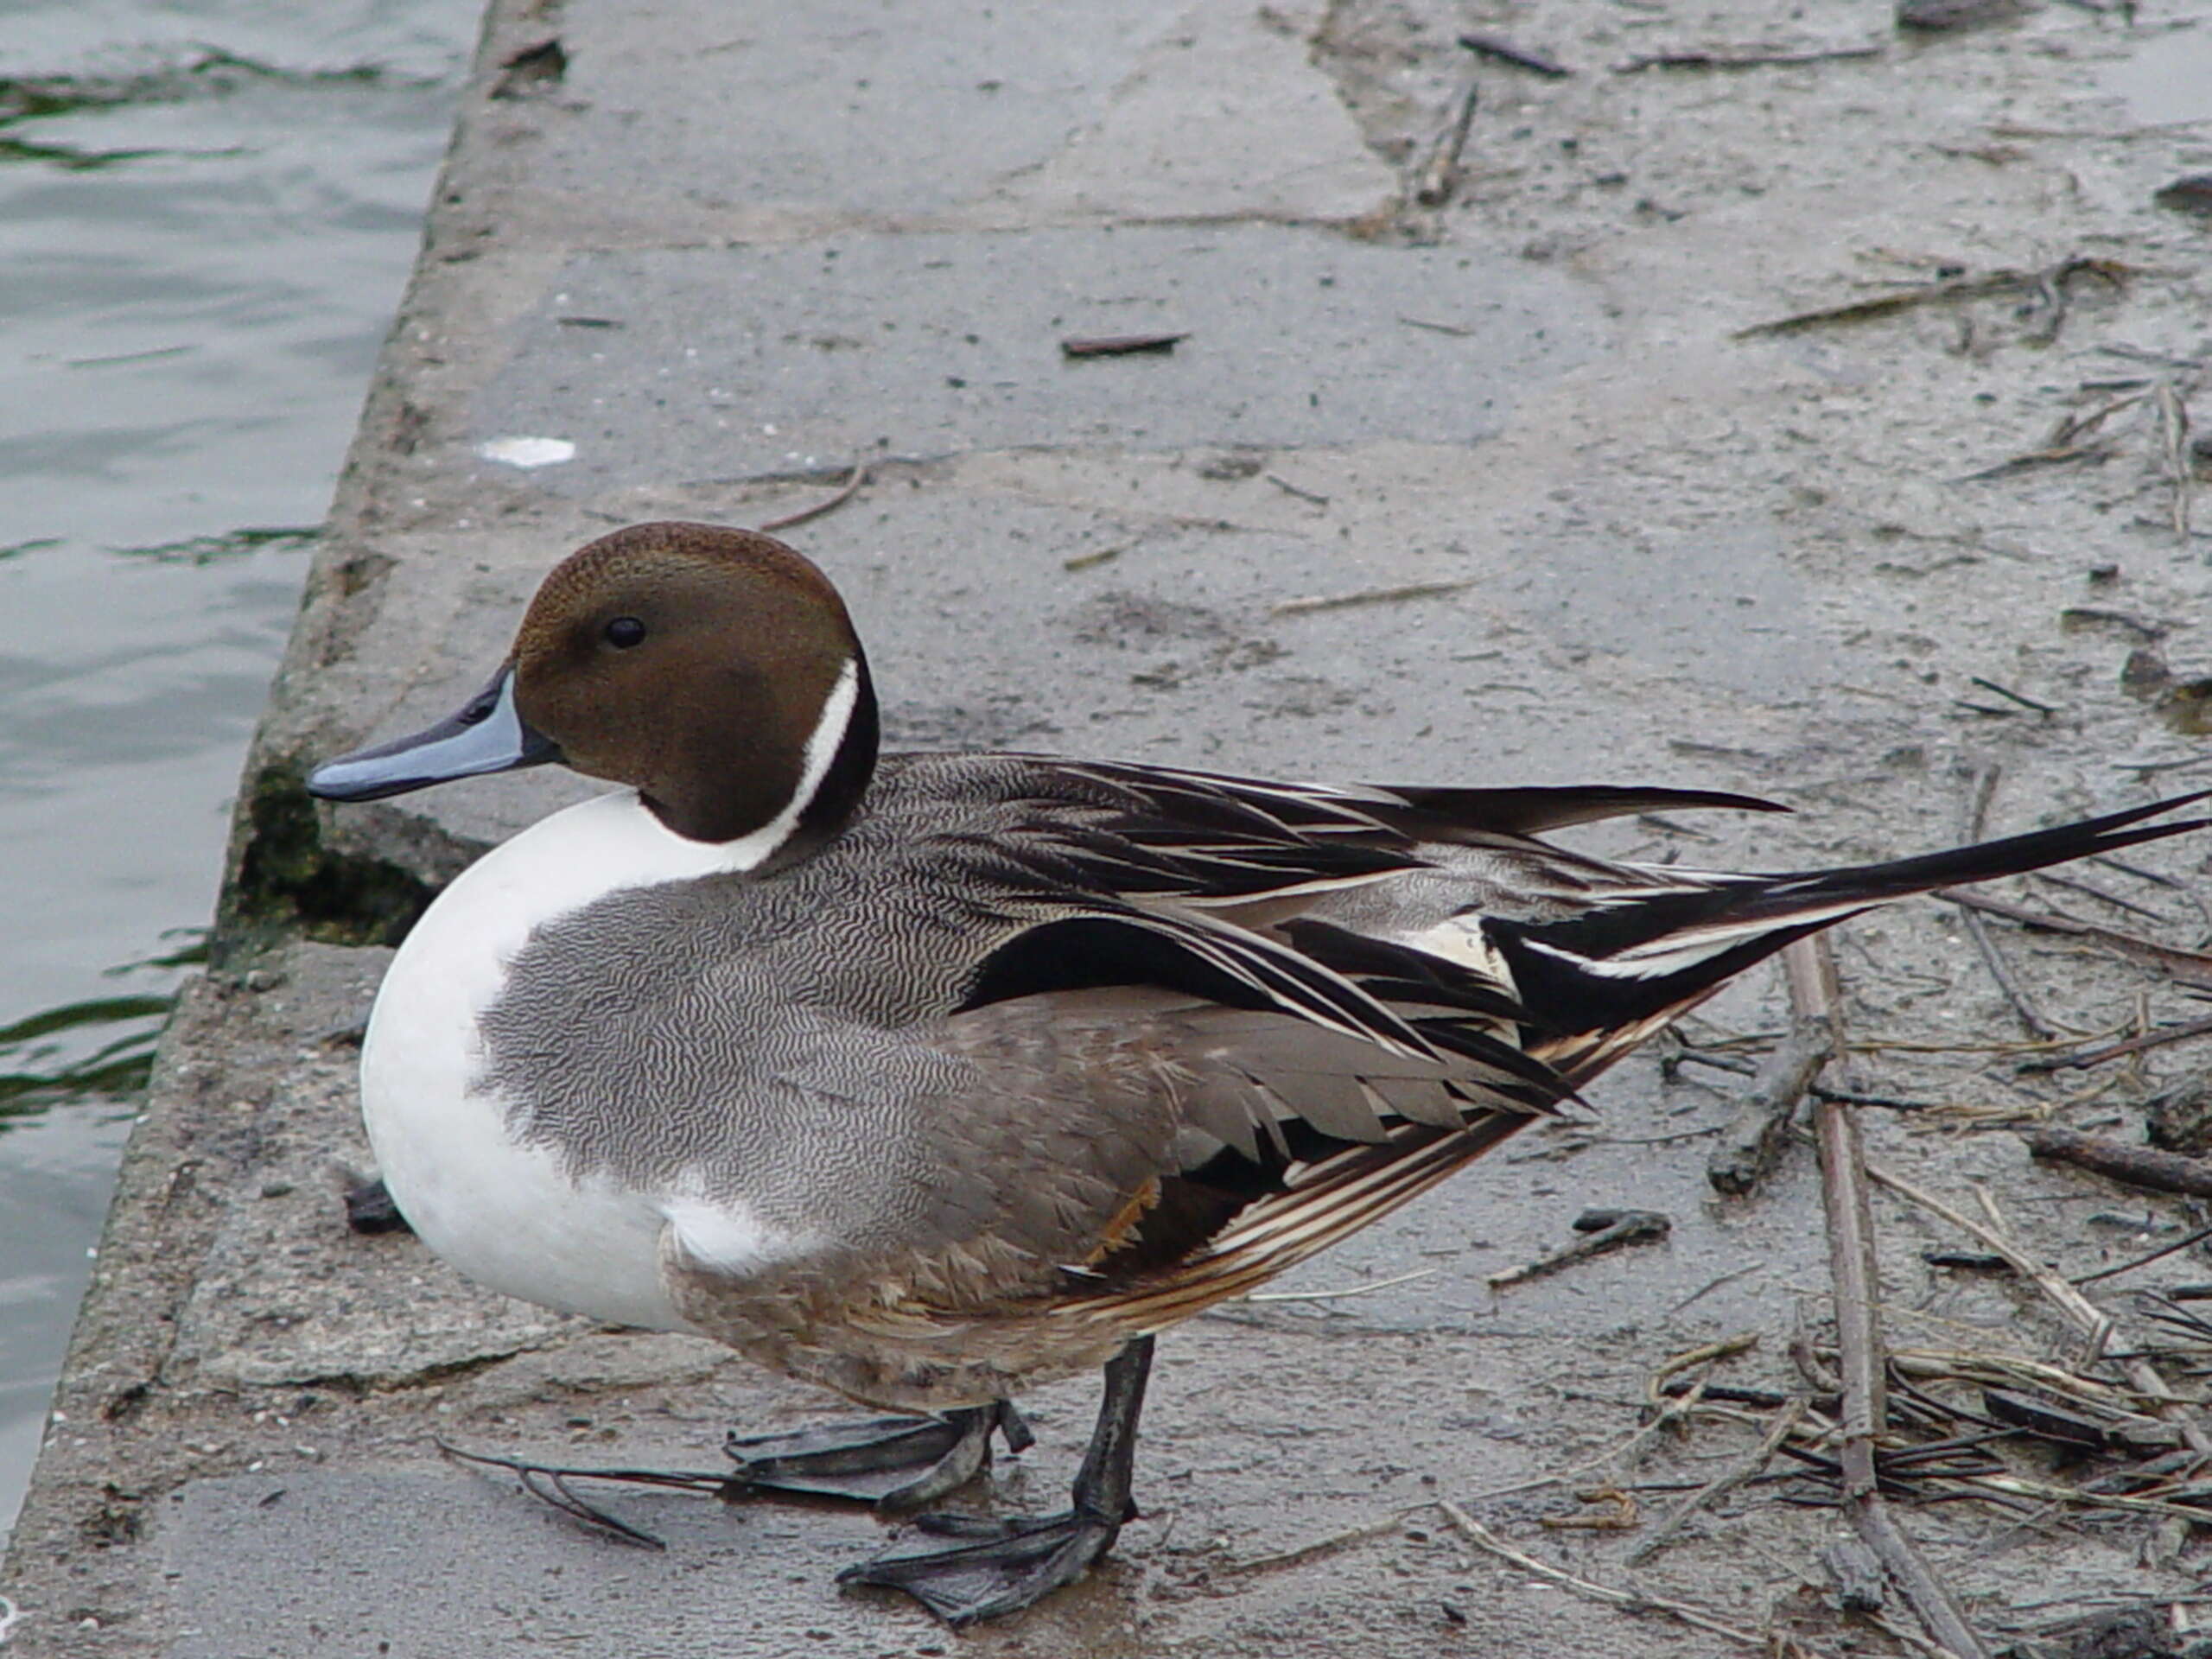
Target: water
column 208, row 211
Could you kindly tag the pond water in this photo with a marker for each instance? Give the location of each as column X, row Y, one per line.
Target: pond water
column 208, row 212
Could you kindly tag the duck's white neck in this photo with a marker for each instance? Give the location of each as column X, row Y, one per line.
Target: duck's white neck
column 755, row 848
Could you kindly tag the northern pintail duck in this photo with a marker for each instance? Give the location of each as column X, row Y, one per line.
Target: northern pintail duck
column 931, row 1076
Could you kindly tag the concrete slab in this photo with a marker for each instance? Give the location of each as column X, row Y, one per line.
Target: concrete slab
column 1229, row 114
column 700, row 364
column 682, row 119
column 492, row 1569
column 818, row 106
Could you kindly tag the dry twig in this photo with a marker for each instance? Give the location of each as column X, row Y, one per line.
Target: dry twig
column 1481, row 1536
column 1456, row 330
column 1298, row 1554
column 1618, row 1515
column 1369, row 596
column 846, row 491
column 2052, row 282
column 1439, row 173
column 1719, row 1486
column 2011, row 696
column 1706, row 1353
column 1671, row 1409
column 2073, row 884
column 2173, row 448
column 2162, row 1171
column 1368, row 1289
column 1974, row 822
column 2145, row 1261
column 2085, row 1316
column 1493, row 46
column 1122, row 346
column 2073, row 438
column 1289, row 488
column 2190, row 967
column 1858, row 1334
column 550, row 1485
column 1635, row 1227
column 1749, row 57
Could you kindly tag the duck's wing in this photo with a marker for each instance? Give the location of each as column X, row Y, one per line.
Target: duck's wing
column 1172, row 802
column 1327, row 1073
column 1218, row 888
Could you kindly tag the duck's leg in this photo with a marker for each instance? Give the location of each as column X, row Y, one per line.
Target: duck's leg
column 995, row 1567
column 894, row 1462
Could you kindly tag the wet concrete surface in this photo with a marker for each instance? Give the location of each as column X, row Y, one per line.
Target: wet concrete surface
column 1647, row 551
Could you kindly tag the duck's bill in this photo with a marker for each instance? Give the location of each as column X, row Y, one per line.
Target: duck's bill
column 487, row 734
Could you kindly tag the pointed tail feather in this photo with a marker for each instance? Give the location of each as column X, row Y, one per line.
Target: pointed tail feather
column 1600, row 983
column 2013, row 855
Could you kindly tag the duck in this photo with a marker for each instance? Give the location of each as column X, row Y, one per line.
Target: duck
column 931, row 1078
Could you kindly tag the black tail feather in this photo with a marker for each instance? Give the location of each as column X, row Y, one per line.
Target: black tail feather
column 1627, row 963
column 1987, row 860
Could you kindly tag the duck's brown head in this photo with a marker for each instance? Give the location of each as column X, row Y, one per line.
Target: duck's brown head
column 715, row 670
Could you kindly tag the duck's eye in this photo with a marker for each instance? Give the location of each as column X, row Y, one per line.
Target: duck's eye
column 623, row 633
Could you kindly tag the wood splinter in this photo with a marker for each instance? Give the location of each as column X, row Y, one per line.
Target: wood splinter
column 1615, row 1230
column 1439, row 175
column 1750, row 1146
column 1121, row 345
column 2145, row 1167
column 1521, row 57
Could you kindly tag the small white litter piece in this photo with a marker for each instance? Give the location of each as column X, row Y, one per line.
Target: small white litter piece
column 527, row 452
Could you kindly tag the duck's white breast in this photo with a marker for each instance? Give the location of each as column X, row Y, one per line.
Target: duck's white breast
column 503, row 1213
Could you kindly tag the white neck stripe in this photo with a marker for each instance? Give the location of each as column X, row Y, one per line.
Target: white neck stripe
column 756, row 846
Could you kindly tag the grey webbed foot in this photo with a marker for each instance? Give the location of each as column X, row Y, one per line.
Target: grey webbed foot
column 995, row 1567
column 893, row 1463
column 992, row 1568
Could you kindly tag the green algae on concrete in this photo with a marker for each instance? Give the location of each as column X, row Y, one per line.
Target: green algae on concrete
column 288, row 884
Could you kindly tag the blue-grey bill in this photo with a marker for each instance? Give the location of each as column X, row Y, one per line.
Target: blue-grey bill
column 487, row 734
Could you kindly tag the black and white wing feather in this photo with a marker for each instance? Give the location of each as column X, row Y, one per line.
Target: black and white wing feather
column 1345, row 1046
